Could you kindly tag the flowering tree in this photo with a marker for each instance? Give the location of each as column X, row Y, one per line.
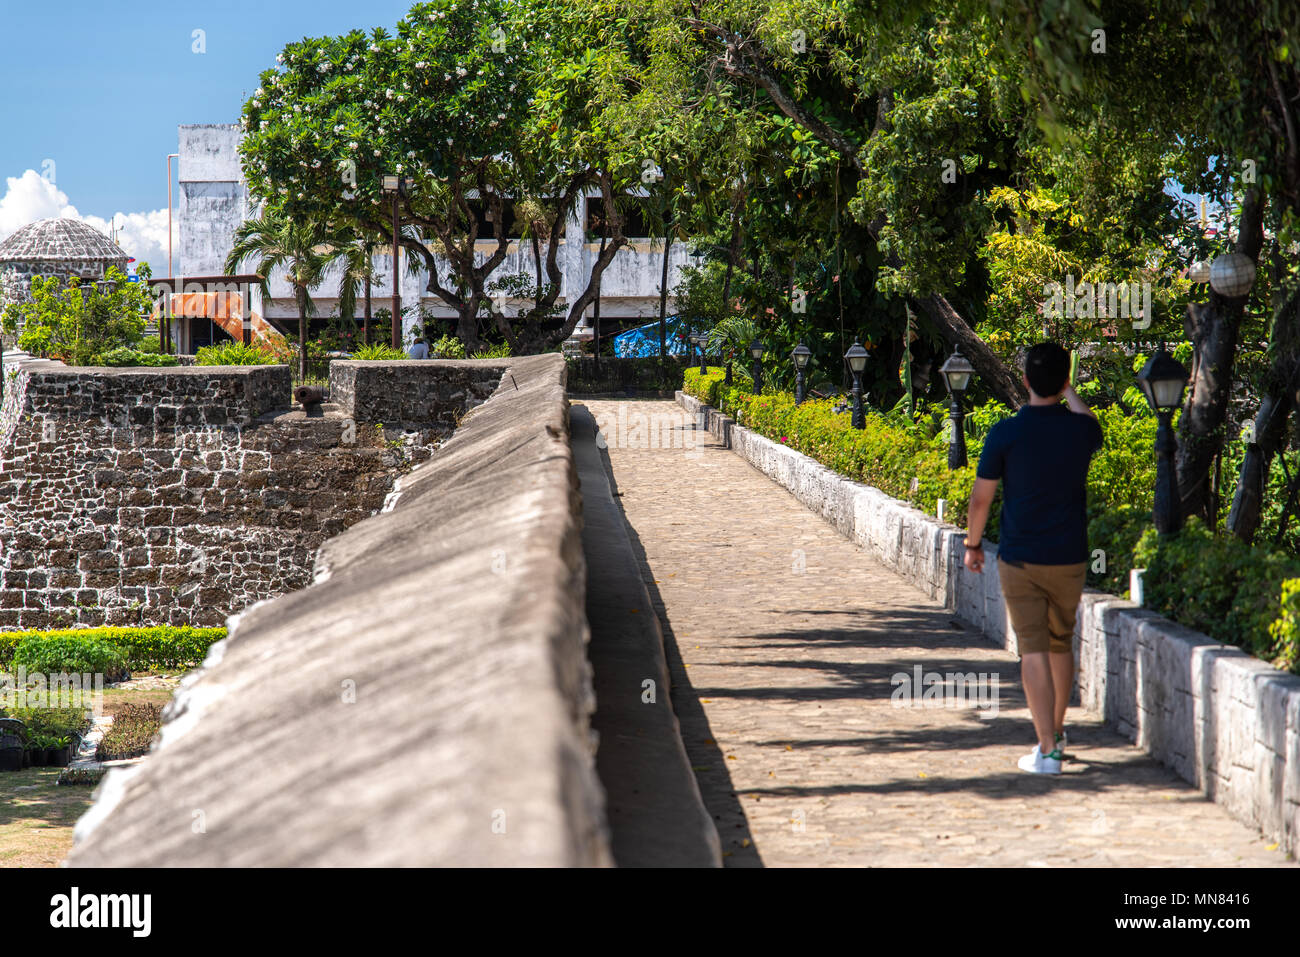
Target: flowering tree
column 478, row 103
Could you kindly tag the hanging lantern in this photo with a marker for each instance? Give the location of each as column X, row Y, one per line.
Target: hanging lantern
column 1232, row 275
column 1199, row 272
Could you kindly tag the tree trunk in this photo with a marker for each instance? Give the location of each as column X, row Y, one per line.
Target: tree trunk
column 992, row 372
column 1270, row 425
column 302, row 334
column 365, row 321
column 1213, row 329
column 663, row 296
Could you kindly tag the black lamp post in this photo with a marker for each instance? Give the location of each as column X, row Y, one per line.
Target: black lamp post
column 756, row 351
column 956, row 373
column 801, row 355
column 699, row 340
column 1163, row 380
column 857, row 360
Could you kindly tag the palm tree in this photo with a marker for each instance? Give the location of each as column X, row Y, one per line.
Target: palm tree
column 731, row 337
column 303, row 250
column 357, row 258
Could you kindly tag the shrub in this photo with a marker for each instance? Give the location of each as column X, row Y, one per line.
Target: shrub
column 1285, row 631
column 55, row 722
column 78, row 320
column 448, row 347
column 231, row 353
column 163, row 646
column 70, row 653
column 378, row 352
column 122, row 356
column 886, row 454
column 131, row 733
column 499, row 351
column 1221, row 586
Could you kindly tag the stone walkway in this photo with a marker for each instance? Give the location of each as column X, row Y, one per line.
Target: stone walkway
column 784, row 640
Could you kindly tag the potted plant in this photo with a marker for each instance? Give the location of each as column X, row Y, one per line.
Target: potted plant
column 56, row 752
column 34, row 752
column 11, row 744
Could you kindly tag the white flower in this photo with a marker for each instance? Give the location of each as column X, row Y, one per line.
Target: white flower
column 262, row 125
column 376, row 152
column 352, row 145
column 374, row 48
column 368, row 103
column 389, row 92
column 410, row 154
column 461, row 71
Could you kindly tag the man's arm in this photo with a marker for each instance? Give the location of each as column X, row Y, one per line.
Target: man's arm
column 1077, row 405
column 977, row 516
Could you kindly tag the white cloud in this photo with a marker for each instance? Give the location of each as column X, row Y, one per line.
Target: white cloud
column 30, row 197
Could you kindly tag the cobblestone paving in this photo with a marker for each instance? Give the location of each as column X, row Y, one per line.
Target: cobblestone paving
column 784, row 640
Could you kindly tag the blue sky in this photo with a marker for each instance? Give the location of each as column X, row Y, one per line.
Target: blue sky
column 94, row 91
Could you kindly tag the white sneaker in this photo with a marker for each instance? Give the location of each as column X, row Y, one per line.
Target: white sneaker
column 1062, row 739
column 1035, row 762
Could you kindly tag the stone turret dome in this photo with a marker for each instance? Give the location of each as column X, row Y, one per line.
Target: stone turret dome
column 60, row 240
column 62, row 248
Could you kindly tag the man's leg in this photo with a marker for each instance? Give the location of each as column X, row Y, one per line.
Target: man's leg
column 1063, row 684
column 1028, row 608
column 1064, row 584
column 1036, row 675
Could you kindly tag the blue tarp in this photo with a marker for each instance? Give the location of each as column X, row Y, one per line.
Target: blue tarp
column 643, row 341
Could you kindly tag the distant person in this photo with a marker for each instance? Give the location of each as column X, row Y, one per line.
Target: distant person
column 419, row 348
column 1041, row 456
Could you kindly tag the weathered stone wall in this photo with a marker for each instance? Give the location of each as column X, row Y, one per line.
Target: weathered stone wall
column 1220, row 718
column 403, row 394
column 174, row 495
column 426, row 701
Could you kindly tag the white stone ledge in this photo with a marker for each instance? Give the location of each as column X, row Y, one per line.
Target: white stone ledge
column 1218, row 717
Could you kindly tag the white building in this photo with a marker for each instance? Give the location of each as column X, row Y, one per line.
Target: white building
column 214, row 200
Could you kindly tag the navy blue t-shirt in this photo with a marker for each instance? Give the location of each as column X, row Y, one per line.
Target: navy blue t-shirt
column 1041, row 454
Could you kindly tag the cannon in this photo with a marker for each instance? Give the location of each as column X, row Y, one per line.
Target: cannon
column 309, row 395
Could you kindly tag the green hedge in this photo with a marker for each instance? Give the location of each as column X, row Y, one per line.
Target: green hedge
column 1243, row 595
column 70, row 654
column 163, row 646
column 887, row 454
column 1219, row 585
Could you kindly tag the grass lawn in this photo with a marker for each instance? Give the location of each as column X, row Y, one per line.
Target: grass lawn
column 37, row 817
column 115, row 698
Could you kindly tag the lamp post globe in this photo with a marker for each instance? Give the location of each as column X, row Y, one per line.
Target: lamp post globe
column 800, row 357
column 756, row 369
column 957, row 372
column 1162, row 381
column 856, row 357
column 1232, row 275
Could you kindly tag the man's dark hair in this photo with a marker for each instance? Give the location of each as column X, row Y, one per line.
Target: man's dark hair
column 1046, row 366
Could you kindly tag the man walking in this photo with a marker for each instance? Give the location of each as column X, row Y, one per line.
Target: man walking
column 1041, row 456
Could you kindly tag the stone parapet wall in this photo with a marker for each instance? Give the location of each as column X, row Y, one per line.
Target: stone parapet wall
column 1221, row 719
column 425, row 702
column 173, row 496
column 412, row 392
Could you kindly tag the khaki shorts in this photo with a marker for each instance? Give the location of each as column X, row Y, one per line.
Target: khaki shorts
column 1042, row 601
